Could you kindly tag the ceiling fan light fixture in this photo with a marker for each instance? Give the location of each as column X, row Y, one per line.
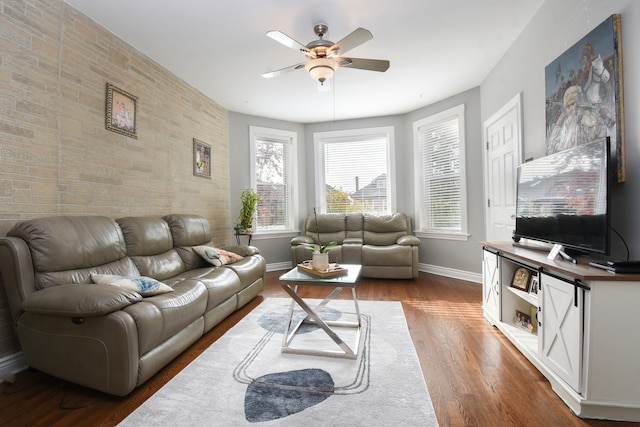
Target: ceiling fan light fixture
column 321, row 69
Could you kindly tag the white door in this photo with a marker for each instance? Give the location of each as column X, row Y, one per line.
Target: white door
column 503, row 148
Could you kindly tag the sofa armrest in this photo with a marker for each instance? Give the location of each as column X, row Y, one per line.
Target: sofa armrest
column 301, row 240
column 79, row 300
column 16, row 270
column 242, row 250
column 408, row 241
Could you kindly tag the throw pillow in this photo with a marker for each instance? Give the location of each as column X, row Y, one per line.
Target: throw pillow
column 216, row 256
column 145, row 286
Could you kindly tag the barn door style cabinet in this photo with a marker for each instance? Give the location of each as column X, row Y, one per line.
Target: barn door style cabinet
column 575, row 323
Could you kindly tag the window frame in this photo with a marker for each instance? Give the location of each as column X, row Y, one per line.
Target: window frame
column 457, row 112
column 354, row 135
column 257, row 133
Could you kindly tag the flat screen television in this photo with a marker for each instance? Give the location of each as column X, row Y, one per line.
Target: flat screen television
column 564, row 199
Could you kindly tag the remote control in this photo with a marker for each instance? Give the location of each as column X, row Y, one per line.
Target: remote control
column 627, row 268
column 624, row 263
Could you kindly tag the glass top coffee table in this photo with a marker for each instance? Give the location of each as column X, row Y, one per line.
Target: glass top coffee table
column 291, row 282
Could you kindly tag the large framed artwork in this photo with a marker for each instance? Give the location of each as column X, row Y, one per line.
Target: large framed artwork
column 121, row 111
column 584, row 93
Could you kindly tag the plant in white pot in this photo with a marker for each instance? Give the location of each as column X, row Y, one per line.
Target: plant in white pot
column 320, row 258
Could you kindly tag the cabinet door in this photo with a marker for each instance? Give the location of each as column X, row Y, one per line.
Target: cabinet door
column 561, row 329
column 490, row 286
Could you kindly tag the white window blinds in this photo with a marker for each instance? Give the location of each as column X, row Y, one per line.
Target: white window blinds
column 355, row 172
column 273, row 161
column 442, row 198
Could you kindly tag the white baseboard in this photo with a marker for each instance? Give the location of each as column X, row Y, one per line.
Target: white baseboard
column 12, row 364
column 450, row 272
column 279, row 266
column 427, row 268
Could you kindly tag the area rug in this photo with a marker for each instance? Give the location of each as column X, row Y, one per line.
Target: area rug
column 244, row 378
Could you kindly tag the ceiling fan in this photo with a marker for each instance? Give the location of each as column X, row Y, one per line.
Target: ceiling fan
column 325, row 56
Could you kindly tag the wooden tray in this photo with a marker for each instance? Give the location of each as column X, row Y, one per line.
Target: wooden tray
column 330, row 272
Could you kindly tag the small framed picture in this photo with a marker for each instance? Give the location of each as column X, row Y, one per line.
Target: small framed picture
column 521, row 279
column 523, row 320
column 533, row 285
column 121, row 111
column 201, row 159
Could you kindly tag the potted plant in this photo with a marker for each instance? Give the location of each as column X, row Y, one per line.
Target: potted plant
column 248, row 206
column 320, row 259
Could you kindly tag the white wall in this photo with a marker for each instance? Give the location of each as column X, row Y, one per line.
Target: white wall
column 558, row 25
column 454, row 257
column 275, row 250
column 451, row 254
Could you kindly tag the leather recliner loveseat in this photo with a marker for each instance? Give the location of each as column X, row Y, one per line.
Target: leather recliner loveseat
column 382, row 244
column 105, row 337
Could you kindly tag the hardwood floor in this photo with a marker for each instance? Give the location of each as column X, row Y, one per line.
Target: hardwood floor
column 474, row 375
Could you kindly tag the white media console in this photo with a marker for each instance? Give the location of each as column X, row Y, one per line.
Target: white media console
column 585, row 332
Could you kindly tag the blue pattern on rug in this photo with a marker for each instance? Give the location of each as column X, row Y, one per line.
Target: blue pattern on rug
column 281, row 394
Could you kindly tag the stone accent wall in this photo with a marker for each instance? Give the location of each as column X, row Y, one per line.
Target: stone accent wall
column 57, row 158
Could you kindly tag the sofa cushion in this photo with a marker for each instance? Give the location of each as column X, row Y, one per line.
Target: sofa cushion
column 145, row 286
column 216, row 256
column 384, row 230
column 150, row 246
column 121, row 267
column 392, row 255
column 332, row 228
column 221, row 283
column 61, row 245
column 189, row 231
column 160, row 267
column 160, row 317
column 146, row 236
column 249, row 269
column 353, row 223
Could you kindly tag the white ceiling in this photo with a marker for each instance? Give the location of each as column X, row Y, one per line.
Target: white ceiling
column 436, row 48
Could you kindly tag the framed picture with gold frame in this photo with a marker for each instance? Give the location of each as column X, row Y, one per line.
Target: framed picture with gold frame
column 521, row 279
column 585, row 95
column 121, row 111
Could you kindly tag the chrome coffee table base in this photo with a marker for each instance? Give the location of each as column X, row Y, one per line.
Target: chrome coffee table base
column 291, row 282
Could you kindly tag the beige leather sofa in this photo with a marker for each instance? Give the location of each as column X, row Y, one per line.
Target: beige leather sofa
column 105, row 337
column 383, row 245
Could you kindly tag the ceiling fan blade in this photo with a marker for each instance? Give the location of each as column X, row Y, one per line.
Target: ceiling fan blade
column 355, row 39
column 286, row 70
column 381, row 65
column 289, row 42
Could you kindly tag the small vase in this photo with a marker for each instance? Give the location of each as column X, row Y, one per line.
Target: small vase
column 320, row 261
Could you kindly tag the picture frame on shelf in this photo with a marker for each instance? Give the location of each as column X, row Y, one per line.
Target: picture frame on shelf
column 533, row 285
column 524, row 321
column 121, row 112
column 521, row 278
column 201, row 159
